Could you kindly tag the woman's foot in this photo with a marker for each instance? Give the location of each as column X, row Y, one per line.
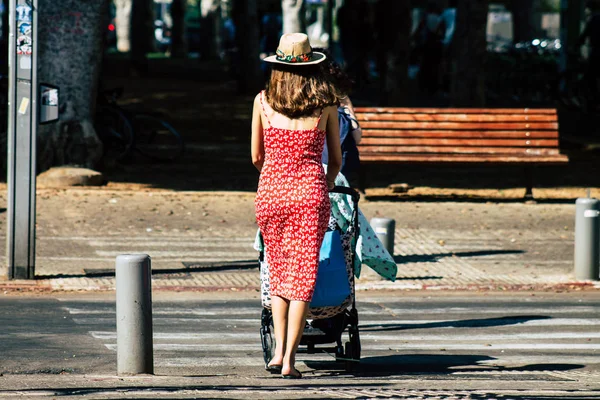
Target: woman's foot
column 290, row 373
column 274, row 366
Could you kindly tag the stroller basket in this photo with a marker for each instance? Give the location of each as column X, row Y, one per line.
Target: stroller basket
column 326, row 324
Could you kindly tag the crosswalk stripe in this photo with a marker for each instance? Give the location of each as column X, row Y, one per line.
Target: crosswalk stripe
column 257, row 361
column 108, row 335
column 378, row 347
column 515, row 309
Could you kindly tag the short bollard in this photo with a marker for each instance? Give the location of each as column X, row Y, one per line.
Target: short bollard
column 384, row 229
column 587, row 237
column 134, row 315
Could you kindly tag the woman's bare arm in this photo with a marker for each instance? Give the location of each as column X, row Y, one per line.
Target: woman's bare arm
column 334, row 148
column 257, row 143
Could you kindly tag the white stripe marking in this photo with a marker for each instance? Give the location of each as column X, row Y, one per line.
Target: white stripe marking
column 250, row 361
column 223, row 312
column 398, row 336
column 514, row 310
column 399, row 347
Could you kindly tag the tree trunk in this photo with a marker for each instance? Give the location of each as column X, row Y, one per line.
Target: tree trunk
column 468, row 78
column 142, row 33
column 393, row 27
column 123, row 24
column 293, row 18
column 70, row 36
column 178, row 40
column 211, row 29
column 526, row 20
column 245, row 15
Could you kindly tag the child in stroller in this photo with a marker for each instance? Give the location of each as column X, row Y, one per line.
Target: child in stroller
column 326, row 324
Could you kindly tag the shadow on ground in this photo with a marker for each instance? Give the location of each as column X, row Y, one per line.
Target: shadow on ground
column 188, row 268
column 430, row 366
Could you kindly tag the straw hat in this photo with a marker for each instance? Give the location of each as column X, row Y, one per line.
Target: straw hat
column 294, row 49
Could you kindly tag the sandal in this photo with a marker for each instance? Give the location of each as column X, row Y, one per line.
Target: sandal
column 274, row 369
column 298, row 375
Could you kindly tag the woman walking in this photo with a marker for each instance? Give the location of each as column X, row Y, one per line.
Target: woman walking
column 291, row 120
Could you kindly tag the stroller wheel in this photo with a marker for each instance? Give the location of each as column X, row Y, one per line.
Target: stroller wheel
column 352, row 351
column 266, row 337
column 349, row 364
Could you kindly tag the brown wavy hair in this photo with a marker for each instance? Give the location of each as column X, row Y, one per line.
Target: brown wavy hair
column 298, row 91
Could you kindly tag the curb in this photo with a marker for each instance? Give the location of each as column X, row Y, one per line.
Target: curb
column 38, row 287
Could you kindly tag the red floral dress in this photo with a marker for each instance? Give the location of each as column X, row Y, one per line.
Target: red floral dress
column 292, row 208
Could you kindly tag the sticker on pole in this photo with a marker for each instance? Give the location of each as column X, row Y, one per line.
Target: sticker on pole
column 591, row 213
column 24, row 106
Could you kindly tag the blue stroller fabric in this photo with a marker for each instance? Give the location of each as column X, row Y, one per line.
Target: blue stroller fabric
column 332, row 286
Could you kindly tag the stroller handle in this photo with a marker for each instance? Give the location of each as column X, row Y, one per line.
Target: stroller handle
column 346, row 190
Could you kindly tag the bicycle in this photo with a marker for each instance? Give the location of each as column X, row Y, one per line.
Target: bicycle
column 122, row 131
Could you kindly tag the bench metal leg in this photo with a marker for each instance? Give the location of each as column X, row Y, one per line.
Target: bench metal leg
column 528, row 183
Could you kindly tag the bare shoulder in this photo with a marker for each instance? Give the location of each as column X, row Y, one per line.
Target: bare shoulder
column 257, row 98
column 330, row 110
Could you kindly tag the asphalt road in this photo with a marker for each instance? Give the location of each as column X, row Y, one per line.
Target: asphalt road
column 414, row 345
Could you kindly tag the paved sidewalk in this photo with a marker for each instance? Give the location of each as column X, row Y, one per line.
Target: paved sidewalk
column 203, row 242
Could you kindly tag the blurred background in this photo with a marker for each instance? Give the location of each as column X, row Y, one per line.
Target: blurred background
column 198, row 64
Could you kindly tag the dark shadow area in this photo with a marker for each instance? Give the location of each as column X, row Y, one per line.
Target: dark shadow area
column 202, row 102
column 86, row 391
column 422, row 258
column 2, row 210
column 421, row 278
column 189, row 267
column 439, row 198
column 430, row 366
column 467, row 323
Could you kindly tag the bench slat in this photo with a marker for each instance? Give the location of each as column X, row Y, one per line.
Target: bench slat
column 459, row 142
column 462, row 158
column 460, row 125
column 457, row 117
column 412, row 133
column 459, row 150
column 395, row 110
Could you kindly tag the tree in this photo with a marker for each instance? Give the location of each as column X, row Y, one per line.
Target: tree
column 70, row 48
column 135, row 30
column 211, row 29
column 526, row 19
column 178, row 41
column 293, row 20
column 123, row 24
column 393, row 26
column 245, row 16
column 470, row 44
column 142, row 33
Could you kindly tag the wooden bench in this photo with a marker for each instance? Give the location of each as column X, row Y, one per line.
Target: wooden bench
column 527, row 137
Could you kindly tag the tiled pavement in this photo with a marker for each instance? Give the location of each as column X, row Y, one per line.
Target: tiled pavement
column 460, row 261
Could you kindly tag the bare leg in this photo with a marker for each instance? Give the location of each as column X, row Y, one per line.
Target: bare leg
column 296, row 322
column 279, row 307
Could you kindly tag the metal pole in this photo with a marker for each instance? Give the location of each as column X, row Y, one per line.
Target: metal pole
column 134, row 315
column 384, row 229
column 22, row 132
column 587, row 239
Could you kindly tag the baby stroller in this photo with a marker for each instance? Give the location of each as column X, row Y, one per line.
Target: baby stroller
column 325, row 325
